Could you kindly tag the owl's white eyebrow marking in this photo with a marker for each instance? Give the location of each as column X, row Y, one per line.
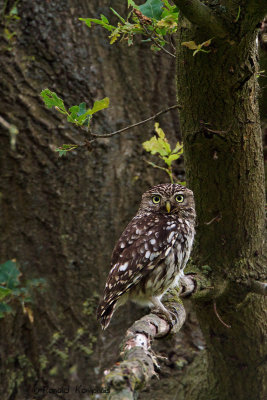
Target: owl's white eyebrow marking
column 123, row 266
column 153, row 241
column 147, row 255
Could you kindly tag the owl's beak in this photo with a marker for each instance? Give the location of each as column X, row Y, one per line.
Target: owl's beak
column 168, row 206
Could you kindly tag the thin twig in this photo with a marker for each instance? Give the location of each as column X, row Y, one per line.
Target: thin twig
column 219, row 318
column 156, row 43
column 137, row 124
column 155, row 165
column 7, row 125
column 217, row 219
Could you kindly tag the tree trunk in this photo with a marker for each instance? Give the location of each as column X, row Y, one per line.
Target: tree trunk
column 224, row 164
column 60, row 217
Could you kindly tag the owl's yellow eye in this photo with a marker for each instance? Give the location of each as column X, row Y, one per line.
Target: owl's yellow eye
column 156, row 199
column 179, row 198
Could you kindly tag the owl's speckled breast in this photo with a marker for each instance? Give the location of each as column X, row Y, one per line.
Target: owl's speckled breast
column 167, row 272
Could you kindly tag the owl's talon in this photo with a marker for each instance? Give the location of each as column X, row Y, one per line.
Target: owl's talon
column 168, row 318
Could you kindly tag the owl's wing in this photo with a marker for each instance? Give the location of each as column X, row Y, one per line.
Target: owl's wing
column 144, row 243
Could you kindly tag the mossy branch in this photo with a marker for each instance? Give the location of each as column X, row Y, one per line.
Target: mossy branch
column 140, row 363
column 201, row 15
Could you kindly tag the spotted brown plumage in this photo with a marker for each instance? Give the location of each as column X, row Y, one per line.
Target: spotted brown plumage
column 152, row 252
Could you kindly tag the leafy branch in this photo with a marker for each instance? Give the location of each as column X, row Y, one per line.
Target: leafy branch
column 78, row 115
column 81, row 116
column 197, row 47
column 12, row 289
column 156, row 20
column 160, row 145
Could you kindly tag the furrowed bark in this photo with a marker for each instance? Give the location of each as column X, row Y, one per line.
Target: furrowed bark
column 224, row 162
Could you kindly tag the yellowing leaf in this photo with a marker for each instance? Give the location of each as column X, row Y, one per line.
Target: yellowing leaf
column 159, row 130
column 171, row 158
column 168, row 22
column 154, row 146
column 100, row 105
column 207, row 43
column 165, row 145
column 115, row 35
column 28, row 311
column 191, row 45
column 178, row 148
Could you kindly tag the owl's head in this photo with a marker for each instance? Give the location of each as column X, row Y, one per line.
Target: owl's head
column 169, row 198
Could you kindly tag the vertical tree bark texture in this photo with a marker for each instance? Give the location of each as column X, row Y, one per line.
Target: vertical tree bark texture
column 263, row 88
column 60, row 217
column 223, row 153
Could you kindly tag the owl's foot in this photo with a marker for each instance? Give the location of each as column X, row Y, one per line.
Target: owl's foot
column 171, row 317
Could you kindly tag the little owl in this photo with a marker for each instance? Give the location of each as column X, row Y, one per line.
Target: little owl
column 152, row 252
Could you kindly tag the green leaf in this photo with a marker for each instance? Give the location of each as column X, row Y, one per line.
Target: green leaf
column 178, row 148
column 159, row 131
column 4, row 292
column 9, row 274
column 74, row 110
column 4, row 308
column 14, row 11
column 132, row 3
column 81, row 109
column 104, row 19
column 165, row 145
column 118, row 15
column 168, row 160
column 169, row 7
column 154, row 146
column 100, row 105
column 102, row 22
column 152, row 9
column 62, row 152
column 162, row 138
column 51, row 99
column 66, row 147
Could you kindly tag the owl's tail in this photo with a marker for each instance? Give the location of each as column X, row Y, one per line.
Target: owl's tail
column 105, row 312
